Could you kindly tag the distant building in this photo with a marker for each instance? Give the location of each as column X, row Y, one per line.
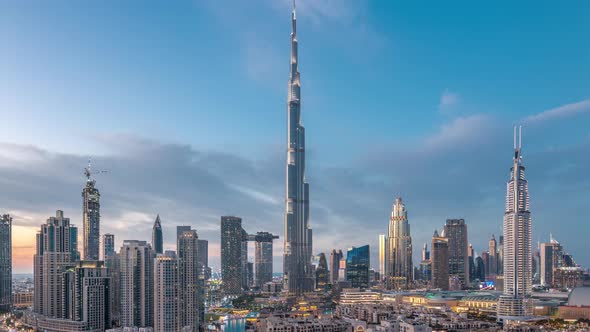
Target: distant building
column 263, row 256
column 493, row 260
column 108, row 246
column 157, row 236
column 357, row 266
column 56, row 251
column 166, row 300
column 275, row 324
column 189, row 270
column 439, row 258
column 204, row 258
column 334, row 267
column 231, row 254
column 399, row 248
column 5, row 263
column 551, row 256
column 456, row 232
column 382, row 254
column 136, row 259
column 91, row 218
column 321, row 272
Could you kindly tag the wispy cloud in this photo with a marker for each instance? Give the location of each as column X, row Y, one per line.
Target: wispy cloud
column 448, row 100
column 568, row 110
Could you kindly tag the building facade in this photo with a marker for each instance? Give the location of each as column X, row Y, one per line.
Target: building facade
column 56, row 251
column 550, row 259
column 136, row 259
column 399, row 249
column 108, row 246
column 357, row 266
column 518, row 244
column 335, row 257
column 5, row 263
column 322, row 278
column 189, row 270
column 439, row 260
column 263, row 256
column 297, row 268
column 456, row 232
column 382, row 255
column 166, row 300
column 231, row 254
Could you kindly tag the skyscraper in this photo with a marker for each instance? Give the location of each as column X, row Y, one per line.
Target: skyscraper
column 204, row 258
column 335, row 258
column 231, row 254
column 157, row 237
column 244, row 260
column 91, row 217
column 399, row 249
column 263, row 256
column 166, row 300
column 321, row 273
column 425, row 252
column 56, row 251
column 493, row 263
column 357, row 266
column 189, row 270
column 439, row 258
column 550, row 259
column 456, row 232
column 5, row 263
column 382, row 254
column 517, row 241
column 108, row 246
column 297, row 267
column 86, row 293
column 137, row 284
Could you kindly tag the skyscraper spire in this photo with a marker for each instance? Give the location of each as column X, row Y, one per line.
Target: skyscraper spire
column 157, row 236
column 297, row 269
column 517, row 235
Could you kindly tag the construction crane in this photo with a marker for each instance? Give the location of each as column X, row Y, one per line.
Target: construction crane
column 88, row 172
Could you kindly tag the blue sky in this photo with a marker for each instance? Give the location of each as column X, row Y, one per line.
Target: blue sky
column 185, row 104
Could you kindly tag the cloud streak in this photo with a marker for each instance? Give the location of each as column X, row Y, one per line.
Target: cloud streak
column 565, row 111
column 457, row 171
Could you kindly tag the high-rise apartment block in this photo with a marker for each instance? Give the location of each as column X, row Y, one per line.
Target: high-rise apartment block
column 335, row 257
column 5, row 263
column 137, row 283
column 167, row 303
column 56, row 251
column 439, row 258
column 189, row 270
column 456, row 232
column 232, row 236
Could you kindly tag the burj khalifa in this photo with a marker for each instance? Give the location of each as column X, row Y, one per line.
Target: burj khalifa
column 297, row 266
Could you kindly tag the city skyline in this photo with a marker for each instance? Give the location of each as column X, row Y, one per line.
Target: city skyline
column 143, row 170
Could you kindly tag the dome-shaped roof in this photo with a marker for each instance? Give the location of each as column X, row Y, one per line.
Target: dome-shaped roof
column 579, row 296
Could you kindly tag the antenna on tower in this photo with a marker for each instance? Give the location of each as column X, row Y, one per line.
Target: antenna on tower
column 520, row 137
column 514, row 137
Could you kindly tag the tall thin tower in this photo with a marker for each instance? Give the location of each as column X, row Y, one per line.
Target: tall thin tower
column 297, row 269
column 399, row 248
column 91, row 216
column 518, row 244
